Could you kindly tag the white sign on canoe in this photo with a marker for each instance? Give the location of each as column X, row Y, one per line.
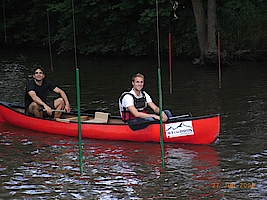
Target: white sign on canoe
column 179, row 129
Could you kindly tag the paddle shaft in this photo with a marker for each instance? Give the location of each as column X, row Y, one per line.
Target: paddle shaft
column 176, row 117
column 63, row 111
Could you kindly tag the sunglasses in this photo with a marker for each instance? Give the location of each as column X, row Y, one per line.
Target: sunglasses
column 38, row 72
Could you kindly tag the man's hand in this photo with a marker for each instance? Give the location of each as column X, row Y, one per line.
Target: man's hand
column 48, row 110
column 164, row 117
column 67, row 108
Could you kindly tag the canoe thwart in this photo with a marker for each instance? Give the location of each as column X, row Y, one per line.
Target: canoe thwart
column 67, row 120
column 100, row 117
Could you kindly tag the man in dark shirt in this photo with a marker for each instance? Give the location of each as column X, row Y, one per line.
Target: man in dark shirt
column 36, row 93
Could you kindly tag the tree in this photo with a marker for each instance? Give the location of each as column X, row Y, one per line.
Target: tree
column 242, row 26
column 206, row 31
column 127, row 27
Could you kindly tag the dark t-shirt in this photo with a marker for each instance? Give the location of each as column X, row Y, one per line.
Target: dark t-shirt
column 41, row 91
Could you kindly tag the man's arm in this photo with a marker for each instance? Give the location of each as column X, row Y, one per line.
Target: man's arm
column 135, row 112
column 128, row 102
column 37, row 100
column 156, row 110
column 64, row 97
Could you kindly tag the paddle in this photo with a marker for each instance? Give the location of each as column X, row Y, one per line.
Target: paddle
column 142, row 123
column 53, row 110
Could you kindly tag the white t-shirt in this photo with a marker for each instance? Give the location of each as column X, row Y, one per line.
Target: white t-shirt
column 129, row 101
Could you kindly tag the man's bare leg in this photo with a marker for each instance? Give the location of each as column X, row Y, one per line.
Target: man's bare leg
column 59, row 104
column 34, row 109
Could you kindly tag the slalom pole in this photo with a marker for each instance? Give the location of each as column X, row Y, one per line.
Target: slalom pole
column 79, row 120
column 170, row 60
column 160, row 114
column 159, row 90
column 170, row 54
column 219, row 61
column 78, row 93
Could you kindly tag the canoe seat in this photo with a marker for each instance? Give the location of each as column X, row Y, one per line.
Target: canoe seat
column 100, row 117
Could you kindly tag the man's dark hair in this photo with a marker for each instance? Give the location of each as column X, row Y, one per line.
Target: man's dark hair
column 38, row 67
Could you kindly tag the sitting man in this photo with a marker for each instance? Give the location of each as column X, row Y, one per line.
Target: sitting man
column 36, row 93
column 133, row 104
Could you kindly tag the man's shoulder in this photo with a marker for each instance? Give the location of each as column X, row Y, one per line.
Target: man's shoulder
column 144, row 92
column 49, row 84
column 126, row 93
column 132, row 93
column 30, row 82
column 45, row 81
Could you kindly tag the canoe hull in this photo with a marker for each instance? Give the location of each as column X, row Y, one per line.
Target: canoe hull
column 196, row 130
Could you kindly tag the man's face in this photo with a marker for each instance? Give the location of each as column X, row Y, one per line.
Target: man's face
column 38, row 75
column 138, row 83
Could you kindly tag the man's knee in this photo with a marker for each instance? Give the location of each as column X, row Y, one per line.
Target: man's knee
column 59, row 102
column 34, row 106
column 34, row 109
column 168, row 113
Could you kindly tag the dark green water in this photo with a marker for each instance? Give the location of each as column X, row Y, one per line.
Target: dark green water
column 40, row 166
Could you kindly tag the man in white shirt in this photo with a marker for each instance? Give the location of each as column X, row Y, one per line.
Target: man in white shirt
column 133, row 104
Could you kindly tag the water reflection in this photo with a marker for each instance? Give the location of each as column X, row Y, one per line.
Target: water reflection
column 47, row 165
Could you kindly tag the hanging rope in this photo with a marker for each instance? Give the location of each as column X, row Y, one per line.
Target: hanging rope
column 158, row 40
column 74, row 36
column 175, row 5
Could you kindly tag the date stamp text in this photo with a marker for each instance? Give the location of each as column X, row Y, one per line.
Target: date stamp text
column 233, row 185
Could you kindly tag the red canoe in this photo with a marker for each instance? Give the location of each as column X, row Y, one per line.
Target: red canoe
column 180, row 129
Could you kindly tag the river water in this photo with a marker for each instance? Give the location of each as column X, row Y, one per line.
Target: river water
column 35, row 165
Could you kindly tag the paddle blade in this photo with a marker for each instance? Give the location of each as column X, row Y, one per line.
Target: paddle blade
column 138, row 123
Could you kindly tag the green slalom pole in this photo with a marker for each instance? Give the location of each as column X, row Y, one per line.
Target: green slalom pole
column 159, row 88
column 160, row 114
column 78, row 93
column 79, row 119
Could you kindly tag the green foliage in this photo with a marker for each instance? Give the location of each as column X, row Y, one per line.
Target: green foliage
column 129, row 26
column 243, row 24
